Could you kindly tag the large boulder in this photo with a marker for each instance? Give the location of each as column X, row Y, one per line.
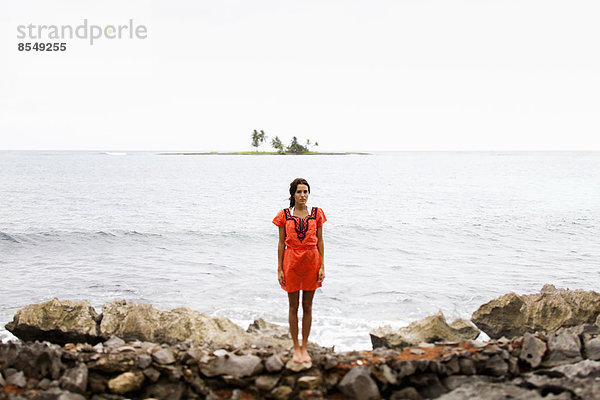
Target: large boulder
column 57, row 321
column 429, row 330
column 514, row 315
column 141, row 321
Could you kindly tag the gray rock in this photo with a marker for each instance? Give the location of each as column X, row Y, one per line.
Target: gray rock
column 126, row 382
column 234, row 365
column 274, row 363
column 57, row 321
column 164, row 356
column 592, row 349
column 456, row 381
column 431, row 329
column 428, row 385
column 513, row 315
column 465, row 328
column 114, row 342
column 357, row 383
column 266, row 382
column 165, row 390
column 533, row 350
column 496, row 366
column 385, row 374
column 144, row 361
column 2, row 382
column 564, row 347
column 263, row 327
column 44, row 384
column 467, row 366
column 75, row 379
column 582, row 369
column 490, row 391
column 17, row 379
column 408, row 393
column 281, row 392
column 404, row 368
column 58, row 394
column 151, row 374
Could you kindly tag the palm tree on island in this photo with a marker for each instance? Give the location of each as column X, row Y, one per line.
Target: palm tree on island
column 295, row 147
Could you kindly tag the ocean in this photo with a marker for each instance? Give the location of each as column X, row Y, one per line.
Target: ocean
column 408, row 233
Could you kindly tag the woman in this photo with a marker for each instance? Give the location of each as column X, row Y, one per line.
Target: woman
column 300, row 259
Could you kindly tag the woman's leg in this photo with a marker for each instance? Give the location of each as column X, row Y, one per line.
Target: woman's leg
column 293, row 298
column 307, row 299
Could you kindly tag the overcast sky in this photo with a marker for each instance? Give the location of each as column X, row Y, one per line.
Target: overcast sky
column 352, row 75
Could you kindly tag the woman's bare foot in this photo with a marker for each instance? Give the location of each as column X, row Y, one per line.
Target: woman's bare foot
column 305, row 356
column 298, row 356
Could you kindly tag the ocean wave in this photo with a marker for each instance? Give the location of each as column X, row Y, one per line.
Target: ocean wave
column 73, row 236
column 4, row 236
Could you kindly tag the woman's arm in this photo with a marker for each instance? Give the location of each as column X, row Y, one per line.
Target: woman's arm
column 321, row 248
column 280, row 250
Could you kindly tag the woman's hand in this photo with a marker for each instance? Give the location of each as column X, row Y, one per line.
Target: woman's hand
column 280, row 276
column 321, row 274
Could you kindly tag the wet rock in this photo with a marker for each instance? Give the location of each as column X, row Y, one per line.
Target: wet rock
column 140, row 321
column 281, row 393
column 533, row 350
column 17, row 380
column 231, row 364
column 274, row 363
column 266, row 382
column 126, row 382
column 408, row 393
column 57, row 322
column 75, row 379
column 513, row 315
column 429, row 330
column 564, row 347
column 163, row 356
column 357, row 383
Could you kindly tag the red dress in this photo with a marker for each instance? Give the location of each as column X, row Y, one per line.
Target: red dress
column 301, row 258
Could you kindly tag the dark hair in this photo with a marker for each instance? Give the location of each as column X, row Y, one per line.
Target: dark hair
column 294, row 186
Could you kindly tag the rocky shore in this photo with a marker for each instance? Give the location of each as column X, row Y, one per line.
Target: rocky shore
column 546, row 346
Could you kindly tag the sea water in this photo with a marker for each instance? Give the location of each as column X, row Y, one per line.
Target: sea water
column 408, row 233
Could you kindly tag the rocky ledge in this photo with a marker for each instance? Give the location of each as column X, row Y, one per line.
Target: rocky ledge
column 560, row 364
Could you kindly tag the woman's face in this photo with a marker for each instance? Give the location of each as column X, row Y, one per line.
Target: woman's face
column 301, row 195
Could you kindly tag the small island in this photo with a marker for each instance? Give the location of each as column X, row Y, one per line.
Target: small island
column 294, row 148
